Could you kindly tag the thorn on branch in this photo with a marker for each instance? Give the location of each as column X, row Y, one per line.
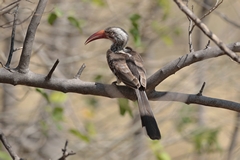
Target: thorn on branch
column 65, row 153
column 201, row 90
column 77, row 76
column 9, row 147
column 207, row 46
column 12, row 38
column 52, row 70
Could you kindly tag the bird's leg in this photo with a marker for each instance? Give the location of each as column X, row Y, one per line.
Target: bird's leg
column 118, row 81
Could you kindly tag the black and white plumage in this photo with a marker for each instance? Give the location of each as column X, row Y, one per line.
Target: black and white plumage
column 127, row 65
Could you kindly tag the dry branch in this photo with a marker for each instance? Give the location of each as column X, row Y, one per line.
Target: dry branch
column 187, row 60
column 23, row 66
column 207, row 31
column 112, row 91
column 9, row 147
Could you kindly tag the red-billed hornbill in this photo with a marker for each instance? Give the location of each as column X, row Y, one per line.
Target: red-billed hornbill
column 127, row 65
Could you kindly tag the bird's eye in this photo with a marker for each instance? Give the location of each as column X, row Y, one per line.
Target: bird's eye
column 111, row 34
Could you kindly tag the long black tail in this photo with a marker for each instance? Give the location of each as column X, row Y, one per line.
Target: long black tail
column 147, row 116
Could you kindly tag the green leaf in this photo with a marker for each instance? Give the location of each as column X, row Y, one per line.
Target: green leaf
column 5, row 156
column 58, row 97
column 134, row 30
column 43, row 93
column 98, row 78
column 52, row 17
column 57, row 114
column 167, row 40
column 44, row 127
column 124, row 107
column 99, row 2
column 76, row 23
column 205, row 140
column 79, row 135
column 158, row 151
column 90, row 128
column 165, row 6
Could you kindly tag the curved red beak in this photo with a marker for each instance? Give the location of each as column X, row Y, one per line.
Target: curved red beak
column 98, row 35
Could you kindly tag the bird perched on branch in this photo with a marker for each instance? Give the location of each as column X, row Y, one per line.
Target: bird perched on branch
column 127, row 65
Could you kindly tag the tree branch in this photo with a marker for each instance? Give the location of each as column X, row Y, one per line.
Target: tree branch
column 187, row 60
column 195, row 99
column 9, row 147
column 23, row 66
column 12, row 38
column 206, row 31
column 6, row 9
column 112, row 91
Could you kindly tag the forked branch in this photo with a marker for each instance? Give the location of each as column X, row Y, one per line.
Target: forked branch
column 207, row 31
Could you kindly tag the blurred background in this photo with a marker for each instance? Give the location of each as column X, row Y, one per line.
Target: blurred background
column 37, row 122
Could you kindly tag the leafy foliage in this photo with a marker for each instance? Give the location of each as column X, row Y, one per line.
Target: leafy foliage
column 165, row 6
column 75, row 22
column 124, row 107
column 81, row 136
column 57, row 13
column 100, row 3
column 158, row 151
column 43, row 93
column 54, row 108
column 134, row 30
column 204, row 139
column 165, row 32
column 52, row 17
column 5, row 156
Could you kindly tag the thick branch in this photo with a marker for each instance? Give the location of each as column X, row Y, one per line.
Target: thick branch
column 23, row 65
column 112, row 91
column 187, row 60
column 195, row 99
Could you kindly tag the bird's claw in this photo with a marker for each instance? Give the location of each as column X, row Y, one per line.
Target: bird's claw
column 114, row 83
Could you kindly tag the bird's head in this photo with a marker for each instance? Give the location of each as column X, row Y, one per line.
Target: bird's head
column 117, row 35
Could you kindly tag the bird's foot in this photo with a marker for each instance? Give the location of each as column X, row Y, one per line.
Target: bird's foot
column 115, row 83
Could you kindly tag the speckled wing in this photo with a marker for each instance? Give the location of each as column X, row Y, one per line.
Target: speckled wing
column 123, row 66
column 140, row 69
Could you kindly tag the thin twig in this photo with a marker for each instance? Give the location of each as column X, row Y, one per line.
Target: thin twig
column 206, row 31
column 23, row 66
column 9, row 147
column 13, row 5
column 207, row 46
column 65, row 153
column 210, row 11
column 77, row 76
column 201, row 90
column 221, row 15
column 52, row 70
column 12, row 38
column 16, row 49
column 9, row 69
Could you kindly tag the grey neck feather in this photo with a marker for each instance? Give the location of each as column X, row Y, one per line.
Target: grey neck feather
column 119, row 45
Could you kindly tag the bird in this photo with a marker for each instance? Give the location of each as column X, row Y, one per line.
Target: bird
column 127, row 65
